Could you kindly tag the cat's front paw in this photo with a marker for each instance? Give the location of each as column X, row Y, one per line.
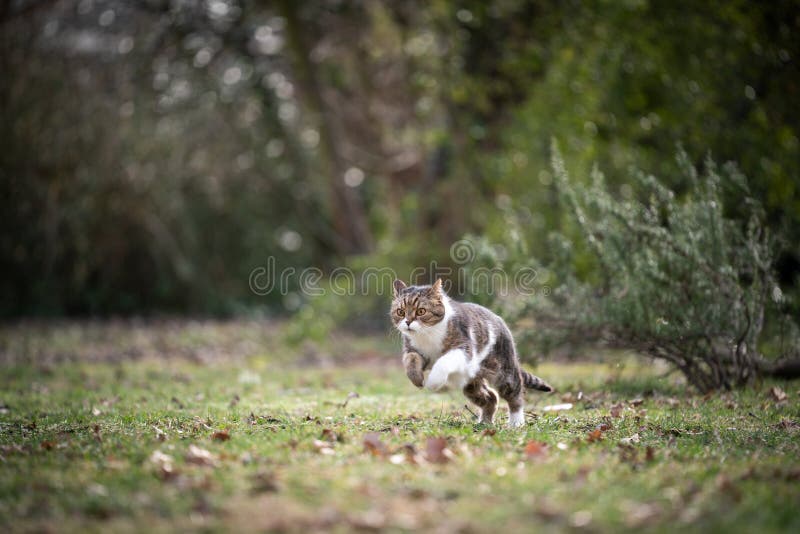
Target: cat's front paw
column 414, row 366
column 435, row 382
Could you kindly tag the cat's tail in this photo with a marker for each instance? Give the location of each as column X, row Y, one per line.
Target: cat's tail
column 534, row 382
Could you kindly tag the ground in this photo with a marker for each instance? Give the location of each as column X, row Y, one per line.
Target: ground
column 222, row 426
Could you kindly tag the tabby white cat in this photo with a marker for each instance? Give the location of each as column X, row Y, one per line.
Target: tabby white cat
column 464, row 346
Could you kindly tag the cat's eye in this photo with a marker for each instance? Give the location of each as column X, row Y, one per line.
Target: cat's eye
column 400, row 312
column 420, row 311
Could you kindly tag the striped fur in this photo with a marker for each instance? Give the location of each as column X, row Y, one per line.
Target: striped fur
column 460, row 345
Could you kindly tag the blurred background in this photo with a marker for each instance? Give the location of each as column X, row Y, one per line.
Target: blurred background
column 155, row 152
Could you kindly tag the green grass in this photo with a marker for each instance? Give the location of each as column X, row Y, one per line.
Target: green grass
column 78, row 433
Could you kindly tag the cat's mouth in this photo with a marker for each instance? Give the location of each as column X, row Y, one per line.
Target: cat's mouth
column 405, row 327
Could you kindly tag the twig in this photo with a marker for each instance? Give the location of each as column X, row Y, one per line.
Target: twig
column 470, row 411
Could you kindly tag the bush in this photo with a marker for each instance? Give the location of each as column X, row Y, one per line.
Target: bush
column 684, row 278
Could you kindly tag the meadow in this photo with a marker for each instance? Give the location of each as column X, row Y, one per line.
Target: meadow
column 223, row 426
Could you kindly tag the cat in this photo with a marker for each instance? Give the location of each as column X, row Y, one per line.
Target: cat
column 465, row 346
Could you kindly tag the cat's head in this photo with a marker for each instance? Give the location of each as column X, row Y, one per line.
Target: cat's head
column 416, row 308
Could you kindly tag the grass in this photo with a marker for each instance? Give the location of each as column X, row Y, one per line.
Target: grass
column 291, row 447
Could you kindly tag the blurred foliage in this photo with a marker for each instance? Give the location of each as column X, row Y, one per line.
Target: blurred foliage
column 156, row 152
column 675, row 279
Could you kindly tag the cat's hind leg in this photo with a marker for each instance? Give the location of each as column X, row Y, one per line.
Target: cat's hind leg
column 484, row 398
column 511, row 391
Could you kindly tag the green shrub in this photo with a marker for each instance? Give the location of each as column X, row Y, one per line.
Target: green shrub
column 684, row 278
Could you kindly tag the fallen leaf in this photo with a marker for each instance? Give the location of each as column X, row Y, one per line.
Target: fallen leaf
column 650, row 454
column 558, row 407
column 436, row 451
column 374, row 445
column 489, row 432
column 630, row 440
column 177, row 403
column 535, row 449
column 411, row 454
column 96, row 411
column 636, row 402
column 595, row 435
column 221, row 435
column 778, row 394
column 96, row 433
column 47, row 445
column 323, row 447
column 198, row 456
column 616, row 410
column 638, row 515
column 234, row 401
column 4, row 408
column 787, row 424
column 329, row 435
column 581, row 519
column 164, row 464
column 160, row 434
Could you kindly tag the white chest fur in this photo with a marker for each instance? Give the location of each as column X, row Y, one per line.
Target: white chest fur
column 430, row 341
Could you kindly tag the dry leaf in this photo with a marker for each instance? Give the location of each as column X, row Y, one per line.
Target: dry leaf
column 630, row 440
column 329, row 435
column 595, row 435
column 535, row 449
column 221, row 435
column 199, row 456
column 616, row 410
column 323, row 447
column 177, row 402
column 436, row 451
column 160, row 434
column 639, row 515
column 164, row 463
column 489, row 432
column 411, row 454
column 47, row 445
column 374, row 445
column 234, row 401
column 787, row 424
column 650, row 454
column 777, row 393
column 636, row 402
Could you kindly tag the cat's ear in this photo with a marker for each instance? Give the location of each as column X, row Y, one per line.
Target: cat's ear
column 436, row 288
column 398, row 286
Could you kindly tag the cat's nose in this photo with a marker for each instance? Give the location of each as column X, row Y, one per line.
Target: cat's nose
column 409, row 321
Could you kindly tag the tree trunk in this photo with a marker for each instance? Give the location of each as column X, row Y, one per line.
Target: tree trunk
column 347, row 211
